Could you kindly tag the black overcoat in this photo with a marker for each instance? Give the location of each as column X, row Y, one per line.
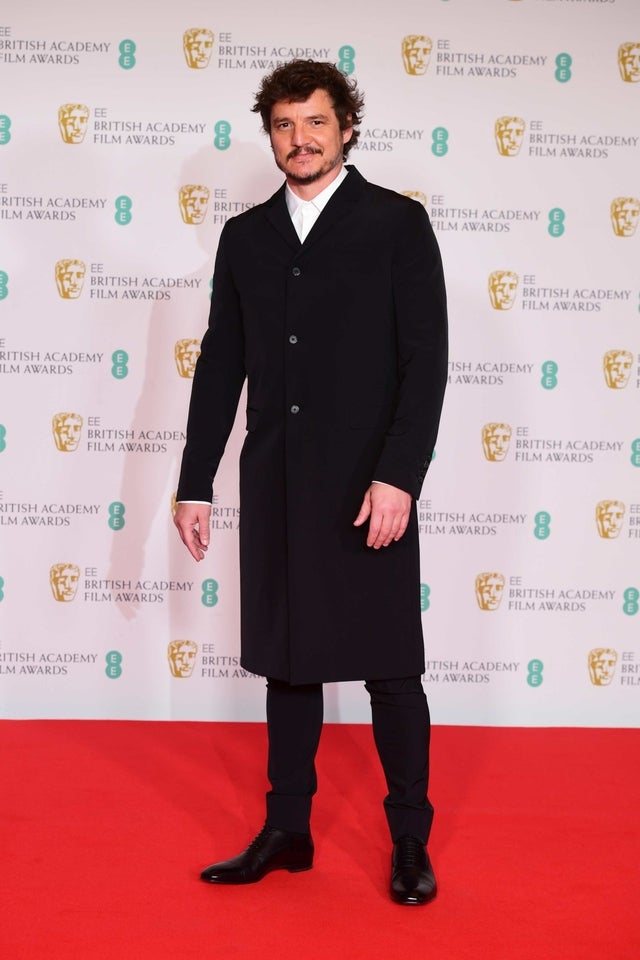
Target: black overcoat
column 343, row 343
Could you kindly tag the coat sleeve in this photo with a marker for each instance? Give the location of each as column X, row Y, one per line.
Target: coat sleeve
column 217, row 384
column 421, row 332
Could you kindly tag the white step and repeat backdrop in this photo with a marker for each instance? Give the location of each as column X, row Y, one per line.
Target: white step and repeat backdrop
column 126, row 141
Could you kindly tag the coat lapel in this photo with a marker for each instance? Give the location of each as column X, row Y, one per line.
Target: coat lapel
column 343, row 202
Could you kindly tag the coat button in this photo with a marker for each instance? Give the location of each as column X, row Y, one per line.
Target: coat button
column 293, row 338
column 296, row 271
column 295, row 408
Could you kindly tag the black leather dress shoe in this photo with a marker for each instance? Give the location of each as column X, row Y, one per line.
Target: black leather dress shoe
column 412, row 879
column 272, row 849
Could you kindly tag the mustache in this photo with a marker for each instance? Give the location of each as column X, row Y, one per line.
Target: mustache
column 298, row 150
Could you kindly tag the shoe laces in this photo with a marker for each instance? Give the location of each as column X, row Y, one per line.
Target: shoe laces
column 260, row 840
column 410, row 850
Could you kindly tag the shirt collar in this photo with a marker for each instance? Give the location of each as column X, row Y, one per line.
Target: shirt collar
column 320, row 201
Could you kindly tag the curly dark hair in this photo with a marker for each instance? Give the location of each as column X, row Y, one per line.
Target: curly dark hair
column 296, row 81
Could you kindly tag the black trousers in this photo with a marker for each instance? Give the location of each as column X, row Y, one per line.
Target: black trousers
column 401, row 729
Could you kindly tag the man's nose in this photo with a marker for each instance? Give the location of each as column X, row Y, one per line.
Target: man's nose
column 298, row 135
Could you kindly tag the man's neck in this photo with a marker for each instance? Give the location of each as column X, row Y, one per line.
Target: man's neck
column 307, row 191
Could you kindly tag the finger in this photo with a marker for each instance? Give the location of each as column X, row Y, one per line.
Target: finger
column 365, row 511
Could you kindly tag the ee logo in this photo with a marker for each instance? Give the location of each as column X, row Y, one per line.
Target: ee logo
column 549, row 379
column 114, row 664
column 630, row 606
column 119, row 361
column 542, row 530
column 635, row 452
column 116, row 515
column 210, row 592
column 563, row 67
column 440, row 138
column 123, row 210
column 222, row 138
column 346, row 60
column 534, row 673
column 556, row 222
column 425, row 597
column 127, row 58
column 4, row 280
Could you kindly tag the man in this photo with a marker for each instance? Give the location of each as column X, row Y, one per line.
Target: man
column 330, row 299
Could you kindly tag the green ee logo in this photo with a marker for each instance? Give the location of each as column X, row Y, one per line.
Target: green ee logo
column 635, row 452
column 119, row 361
column 534, row 673
column 210, row 288
column 5, row 129
column 440, row 145
column 209, row 592
column 222, row 138
column 630, row 606
column 1, row 589
column 116, row 515
column 563, row 67
column 556, row 222
column 123, row 210
column 425, row 597
column 549, row 375
column 114, row 664
column 3, row 434
column 346, row 59
column 542, row 529
column 4, row 281
column 127, row 58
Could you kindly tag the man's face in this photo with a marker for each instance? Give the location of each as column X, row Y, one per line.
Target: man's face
column 64, row 581
column 73, row 123
column 416, row 52
column 193, row 203
column 610, row 516
column 625, row 215
column 496, row 438
column 182, row 658
column 187, row 353
column 198, row 45
column 306, row 138
column 503, row 287
column 630, row 62
column 489, row 589
column 69, row 278
column 509, row 134
column 602, row 666
column 617, row 368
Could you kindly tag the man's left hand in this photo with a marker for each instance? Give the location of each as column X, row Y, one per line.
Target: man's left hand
column 387, row 508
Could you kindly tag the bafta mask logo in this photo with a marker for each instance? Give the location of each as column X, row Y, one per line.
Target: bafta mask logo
column 509, row 134
column 194, row 200
column 609, row 518
column 629, row 62
column 416, row 54
column 489, row 590
column 496, row 438
column 197, row 44
column 617, row 366
column 602, row 666
column 70, row 278
column 416, row 195
column 625, row 212
column 186, row 353
column 503, row 287
column 67, row 430
column 174, row 504
column 182, row 657
column 73, row 119
column 64, row 579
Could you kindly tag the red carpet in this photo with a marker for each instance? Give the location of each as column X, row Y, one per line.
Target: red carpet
column 105, row 826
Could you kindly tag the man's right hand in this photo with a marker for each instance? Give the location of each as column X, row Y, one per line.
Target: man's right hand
column 192, row 521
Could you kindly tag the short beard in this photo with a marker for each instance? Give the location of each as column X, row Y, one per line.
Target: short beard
column 308, row 177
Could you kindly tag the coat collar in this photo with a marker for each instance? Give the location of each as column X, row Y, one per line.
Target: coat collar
column 341, row 203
